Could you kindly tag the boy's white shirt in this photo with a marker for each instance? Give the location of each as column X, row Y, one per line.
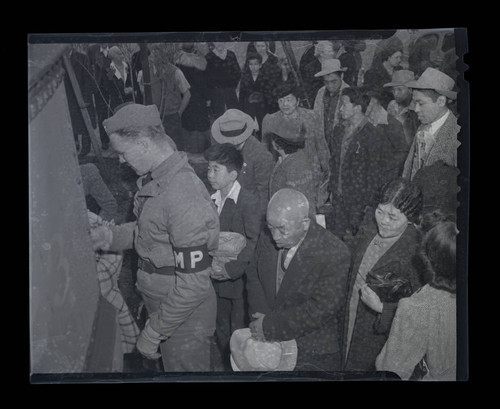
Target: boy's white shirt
column 233, row 194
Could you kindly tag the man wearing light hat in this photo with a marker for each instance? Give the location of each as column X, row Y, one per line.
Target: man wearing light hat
column 237, row 128
column 177, row 226
column 326, row 104
column 296, row 286
column 437, row 137
column 402, row 107
column 293, row 168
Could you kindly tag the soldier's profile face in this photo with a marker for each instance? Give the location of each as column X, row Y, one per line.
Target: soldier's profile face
column 132, row 152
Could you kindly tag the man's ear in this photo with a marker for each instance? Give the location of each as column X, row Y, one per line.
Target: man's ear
column 306, row 222
column 442, row 100
column 143, row 142
column 234, row 175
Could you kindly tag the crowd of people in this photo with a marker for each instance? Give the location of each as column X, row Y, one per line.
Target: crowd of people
column 341, row 212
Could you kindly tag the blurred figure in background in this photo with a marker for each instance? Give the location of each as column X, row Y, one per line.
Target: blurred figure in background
column 223, row 74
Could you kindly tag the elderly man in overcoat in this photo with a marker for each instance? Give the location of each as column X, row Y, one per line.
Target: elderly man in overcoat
column 297, row 283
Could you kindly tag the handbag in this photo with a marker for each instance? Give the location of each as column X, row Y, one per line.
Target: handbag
column 388, row 284
column 419, row 371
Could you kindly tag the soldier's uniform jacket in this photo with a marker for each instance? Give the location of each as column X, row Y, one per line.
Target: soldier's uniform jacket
column 177, row 226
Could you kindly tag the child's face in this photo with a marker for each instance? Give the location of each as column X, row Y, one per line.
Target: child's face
column 218, row 175
column 254, row 66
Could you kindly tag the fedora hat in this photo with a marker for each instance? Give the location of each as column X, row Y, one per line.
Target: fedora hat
column 234, row 126
column 400, row 77
column 288, row 129
column 248, row 354
column 329, row 66
column 435, row 80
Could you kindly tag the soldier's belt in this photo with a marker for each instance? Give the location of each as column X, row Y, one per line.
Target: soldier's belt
column 151, row 269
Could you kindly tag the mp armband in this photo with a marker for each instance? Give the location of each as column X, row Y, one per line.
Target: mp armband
column 192, row 259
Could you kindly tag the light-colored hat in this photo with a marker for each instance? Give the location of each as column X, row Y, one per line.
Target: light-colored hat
column 288, row 129
column 435, row 80
column 329, row 66
column 400, row 77
column 248, row 354
column 234, row 126
column 132, row 115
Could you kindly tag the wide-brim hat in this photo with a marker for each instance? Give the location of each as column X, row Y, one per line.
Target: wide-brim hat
column 436, row 80
column 329, row 66
column 400, row 77
column 248, row 354
column 234, row 126
column 289, row 129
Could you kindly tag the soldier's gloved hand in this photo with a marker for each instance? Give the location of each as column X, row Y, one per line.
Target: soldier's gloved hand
column 148, row 342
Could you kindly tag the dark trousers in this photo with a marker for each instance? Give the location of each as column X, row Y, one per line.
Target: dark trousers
column 224, row 99
column 230, row 317
column 173, row 128
column 316, row 362
column 102, row 113
column 338, row 221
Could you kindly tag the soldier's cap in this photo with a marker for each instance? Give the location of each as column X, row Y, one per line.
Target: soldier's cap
column 132, row 115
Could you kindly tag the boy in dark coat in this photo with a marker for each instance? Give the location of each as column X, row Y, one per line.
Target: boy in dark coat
column 237, row 213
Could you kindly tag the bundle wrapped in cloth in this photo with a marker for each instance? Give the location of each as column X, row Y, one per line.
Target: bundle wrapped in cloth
column 249, row 354
column 108, row 266
column 230, row 245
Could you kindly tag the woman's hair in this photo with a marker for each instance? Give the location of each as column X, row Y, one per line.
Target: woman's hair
column 432, row 217
column 357, row 96
column 284, row 89
column 404, row 196
column 254, row 56
column 188, row 47
column 438, row 253
column 265, row 42
column 389, row 51
column 225, row 154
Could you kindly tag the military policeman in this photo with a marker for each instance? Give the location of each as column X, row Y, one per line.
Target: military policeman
column 177, row 225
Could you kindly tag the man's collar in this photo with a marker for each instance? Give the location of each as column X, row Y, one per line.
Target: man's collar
column 234, row 193
column 164, row 171
column 434, row 126
column 222, row 54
